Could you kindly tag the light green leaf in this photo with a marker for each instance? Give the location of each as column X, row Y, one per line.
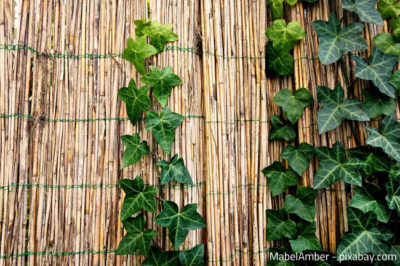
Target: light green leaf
column 395, row 24
column 137, row 237
column 174, row 170
column 135, row 99
column 378, row 70
column 377, row 104
column 385, row 41
column 162, row 82
column 281, row 130
column 137, row 197
column 276, row 7
column 160, row 34
column 395, row 80
column 179, row 222
column 284, row 37
column 299, row 158
column 278, row 63
column 279, row 179
column 279, row 225
column 302, row 204
column 393, row 193
column 335, row 108
column 158, row 258
column 306, row 239
column 335, row 41
column 192, row 257
column 134, row 149
column 293, row 105
column 365, row 10
column 163, row 127
column 388, row 138
column 389, row 8
column 136, row 51
column 140, row 24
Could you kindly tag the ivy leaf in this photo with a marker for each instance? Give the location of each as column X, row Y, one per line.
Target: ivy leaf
column 134, row 149
column 388, row 138
column 162, row 82
column 135, row 99
column 385, row 41
column 365, row 10
column 278, row 62
column 333, row 165
column 306, row 240
column 335, row 41
column 377, row 104
column 279, row 225
column 136, row 238
column 163, row 127
column 279, row 179
column 335, row 108
column 395, row 24
column 136, row 51
column 299, row 158
column 293, row 105
column 389, row 8
column 364, row 237
column 302, row 204
column 160, row 34
column 281, row 130
column 174, row 170
column 192, row 257
column 284, row 36
column 179, row 222
column 276, row 7
column 378, row 70
column 376, row 162
column 140, row 24
column 158, row 258
column 395, row 80
column 364, row 200
column 393, row 193
column 137, row 197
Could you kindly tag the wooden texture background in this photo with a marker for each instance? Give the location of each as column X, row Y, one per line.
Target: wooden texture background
column 60, row 156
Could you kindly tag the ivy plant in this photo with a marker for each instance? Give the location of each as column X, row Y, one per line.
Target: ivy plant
column 279, row 179
column 365, row 9
column 377, row 104
column 389, row 8
column 278, row 63
column 281, row 129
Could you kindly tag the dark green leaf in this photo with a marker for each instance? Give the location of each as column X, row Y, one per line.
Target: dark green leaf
column 293, row 105
column 179, row 222
column 281, row 130
column 137, row 197
column 335, row 41
column 395, row 24
column 158, row 258
column 306, row 239
column 137, row 51
column 163, row 127
column 140, row 24
column 385, row 41
column 279, row 179
column 335, row 108
column 279, row 225
column 284, row 36
column 393, row 193
column 174, row 170
column 134, row 149
column 162, row 82
column 137, row 237
column 302, row 204
column 160, row 34
column 395, row 80
column 192, row 257
column 376, row 161
column 378, row 70
column 278, row 63
column 365, row 10
column 377, row 104
column 389, row 8
column 299, row 158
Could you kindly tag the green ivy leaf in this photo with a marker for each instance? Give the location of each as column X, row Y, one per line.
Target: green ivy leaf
column 137, row 197
column 364, row 200
column 279, row 225
column 334, row 166
column 378, row 70
column 302, row 204
column 135, row 99
column 284, row 36
column 376, row 162
column 137, row 237
column 335, row 108
column 140, row 24
column 162, row 82
column 160, row 34
column 174, row 170
column 299, row 158
column 279, row 179
column 335, row 41
column 393, row 193
column 276, row 7
column 192, row 257
column 163, row 127
column 158, row 258
column 377, row 104
column 136, row 51
column 395, row 80
column 293, row 105
column 364, row 237
column 134, row 149
column 385, row 41
column 179, row 222
column 388, row 137
column 281, row 130
column 365, row 10
column 306, row 240
column 278, row 63
column 395, row 24
column 389, row 8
